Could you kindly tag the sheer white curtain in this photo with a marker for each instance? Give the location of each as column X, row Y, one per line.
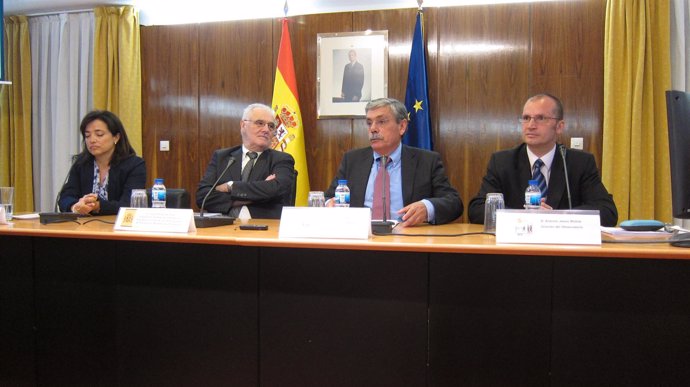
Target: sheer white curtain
column 680, row 45
column 62, row 71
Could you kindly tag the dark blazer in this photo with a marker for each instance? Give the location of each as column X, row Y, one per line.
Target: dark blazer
column 353, row 81
column 123, row 177
column 509, row 171
column 423, row 177
column 265, row 198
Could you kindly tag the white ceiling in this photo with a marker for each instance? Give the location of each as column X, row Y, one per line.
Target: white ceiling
column 179, row 11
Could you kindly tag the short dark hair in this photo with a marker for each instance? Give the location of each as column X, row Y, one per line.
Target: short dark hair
column 397, row 108
column 123, row 149
column 559, row 105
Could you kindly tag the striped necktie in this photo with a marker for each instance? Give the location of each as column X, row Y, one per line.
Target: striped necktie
column 539, row 177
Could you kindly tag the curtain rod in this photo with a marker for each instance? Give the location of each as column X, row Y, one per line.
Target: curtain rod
column 51, row 13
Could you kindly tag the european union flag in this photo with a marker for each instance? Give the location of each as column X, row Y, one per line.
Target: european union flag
column 417, row 96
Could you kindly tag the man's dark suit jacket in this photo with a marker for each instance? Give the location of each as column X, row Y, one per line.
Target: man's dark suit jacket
column 353, row 81
column 423, row 177
column 123, row 177
column 266, row 197
column 509, row 171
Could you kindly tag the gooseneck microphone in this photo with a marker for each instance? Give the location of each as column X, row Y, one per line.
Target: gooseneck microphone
column 56, row 216
column 383, row 226
column 56, row 205
column 561, row 147
column 200, row 221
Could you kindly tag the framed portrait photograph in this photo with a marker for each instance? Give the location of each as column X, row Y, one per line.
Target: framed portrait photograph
column 351, row 70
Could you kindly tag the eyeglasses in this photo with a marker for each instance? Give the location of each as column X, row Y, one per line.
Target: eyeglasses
column 262, row 123
column 539, row 119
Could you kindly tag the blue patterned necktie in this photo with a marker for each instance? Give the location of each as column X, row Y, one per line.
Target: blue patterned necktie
column 539, row 177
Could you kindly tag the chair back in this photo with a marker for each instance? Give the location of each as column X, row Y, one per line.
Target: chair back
column 290, row 199
column 174, row 198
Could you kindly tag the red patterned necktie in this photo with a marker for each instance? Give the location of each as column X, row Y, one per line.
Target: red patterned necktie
column 380, row 190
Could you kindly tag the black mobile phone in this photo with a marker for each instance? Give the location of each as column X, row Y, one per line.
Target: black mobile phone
column 253, row 227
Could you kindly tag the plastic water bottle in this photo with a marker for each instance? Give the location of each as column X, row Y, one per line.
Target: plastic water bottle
column 158, row 194
column 532, row 195
column 342, row 194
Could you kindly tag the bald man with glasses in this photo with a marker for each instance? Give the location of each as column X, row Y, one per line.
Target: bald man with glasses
column 541, row 156
column 259, row 179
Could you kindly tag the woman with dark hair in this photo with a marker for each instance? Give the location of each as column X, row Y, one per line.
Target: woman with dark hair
column 105, row 172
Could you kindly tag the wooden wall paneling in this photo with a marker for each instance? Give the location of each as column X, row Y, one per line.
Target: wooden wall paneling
column 484, row 61
column 236, row 68
column 326, row 140
column 400, row 26
column 568, row 62
column 475, row 95
column 498, row 79
column 453, row 95
column 170, row 88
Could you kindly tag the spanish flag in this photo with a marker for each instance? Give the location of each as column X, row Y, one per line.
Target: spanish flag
column 289, row 135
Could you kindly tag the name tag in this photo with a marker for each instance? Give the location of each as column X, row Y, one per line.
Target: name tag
column 570, row 227
column 325, row 222
column 155, row 219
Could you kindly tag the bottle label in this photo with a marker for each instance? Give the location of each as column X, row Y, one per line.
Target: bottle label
column 533, row 198
column 158, row 198
column 342, row 199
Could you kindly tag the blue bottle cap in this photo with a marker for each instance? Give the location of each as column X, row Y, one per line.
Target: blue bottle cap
column 342, row 182
column 158, row 181
column 533, row 182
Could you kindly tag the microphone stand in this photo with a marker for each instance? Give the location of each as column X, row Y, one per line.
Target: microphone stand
column 565, row 170
column 384, row 226
column 200, row 221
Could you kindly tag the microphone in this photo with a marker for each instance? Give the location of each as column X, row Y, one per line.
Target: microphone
column 56, row 216
column 214, row 221
column 383, row 226
column 62, row 187
column 561, row 147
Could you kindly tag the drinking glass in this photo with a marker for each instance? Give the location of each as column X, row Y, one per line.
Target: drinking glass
column 138, row 199
column 317, row 199
column 494, row 201
column 7, row 201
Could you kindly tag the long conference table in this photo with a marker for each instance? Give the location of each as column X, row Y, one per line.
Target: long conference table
column 81, row 304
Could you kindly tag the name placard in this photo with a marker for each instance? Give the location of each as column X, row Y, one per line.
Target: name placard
column 325, row 222
column 155, row 219
column 570, row 227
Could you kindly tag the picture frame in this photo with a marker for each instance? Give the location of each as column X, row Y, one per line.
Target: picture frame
column 343, row 85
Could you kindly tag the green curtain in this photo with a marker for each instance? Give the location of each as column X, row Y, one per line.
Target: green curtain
column 635, row 165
